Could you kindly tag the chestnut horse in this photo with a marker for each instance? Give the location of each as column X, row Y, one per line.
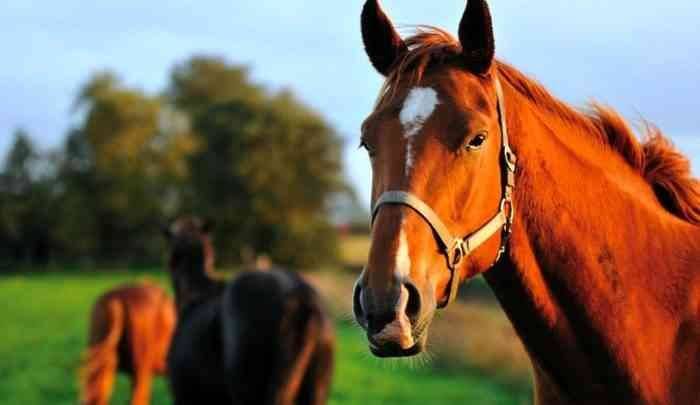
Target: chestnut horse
column 589, row 238
column 262, row 339
column 130, row 331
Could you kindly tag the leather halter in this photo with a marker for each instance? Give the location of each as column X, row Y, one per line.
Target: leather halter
column 455, row 248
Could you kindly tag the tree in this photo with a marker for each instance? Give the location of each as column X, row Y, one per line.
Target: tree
column 268, row 166
column 203, row 81
column 18, row 164
column 26, row 200
column 123, row 167
column 264, row 165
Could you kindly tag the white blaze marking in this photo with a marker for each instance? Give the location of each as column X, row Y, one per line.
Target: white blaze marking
column 403, row 259
column 417, row 108
column 398, row 331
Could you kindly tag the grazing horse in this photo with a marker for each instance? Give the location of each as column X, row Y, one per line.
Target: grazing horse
column 261, row 339
column 130, row 331
column 588, row 237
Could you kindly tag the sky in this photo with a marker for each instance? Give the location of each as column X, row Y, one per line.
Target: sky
column 640, row 57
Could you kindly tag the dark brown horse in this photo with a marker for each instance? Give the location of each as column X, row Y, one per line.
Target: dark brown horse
column 588, row 237
column 261, row 339
column 130, row 331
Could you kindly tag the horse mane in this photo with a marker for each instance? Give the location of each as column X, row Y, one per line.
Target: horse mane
column 656, row 159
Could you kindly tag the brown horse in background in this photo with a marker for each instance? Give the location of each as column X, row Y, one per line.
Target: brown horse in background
column 130, row 331
column 261, row 339
column 589, row 238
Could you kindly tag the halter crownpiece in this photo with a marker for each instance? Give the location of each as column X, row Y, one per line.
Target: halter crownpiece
column 456, row 248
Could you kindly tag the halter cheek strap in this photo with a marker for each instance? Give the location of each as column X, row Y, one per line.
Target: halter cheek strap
column 456, row 248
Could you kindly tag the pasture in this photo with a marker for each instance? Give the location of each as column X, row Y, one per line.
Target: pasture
column 43, row 320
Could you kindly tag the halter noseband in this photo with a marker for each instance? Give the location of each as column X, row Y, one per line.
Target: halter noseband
column 455, row 248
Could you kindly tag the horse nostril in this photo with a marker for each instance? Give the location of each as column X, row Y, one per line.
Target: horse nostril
column 414, row 300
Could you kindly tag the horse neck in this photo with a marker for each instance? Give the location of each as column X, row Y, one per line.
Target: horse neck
column 597, row 272
column 192, row 283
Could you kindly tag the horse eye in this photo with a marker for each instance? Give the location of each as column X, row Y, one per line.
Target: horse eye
column 477, row 142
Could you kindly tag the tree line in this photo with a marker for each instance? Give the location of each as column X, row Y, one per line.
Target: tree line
column 262, row 165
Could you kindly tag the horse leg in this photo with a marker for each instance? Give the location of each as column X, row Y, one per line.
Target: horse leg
column 141, row 387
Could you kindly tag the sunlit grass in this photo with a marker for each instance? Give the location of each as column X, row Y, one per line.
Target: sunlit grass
column 43, row 328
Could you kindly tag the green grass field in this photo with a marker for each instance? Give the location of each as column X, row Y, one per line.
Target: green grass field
column 43, row 323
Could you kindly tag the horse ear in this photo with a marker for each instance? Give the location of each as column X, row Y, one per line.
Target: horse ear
column 383, row 44
column 476, row 37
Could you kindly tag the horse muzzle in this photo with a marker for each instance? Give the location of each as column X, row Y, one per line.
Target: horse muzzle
column 391, row 321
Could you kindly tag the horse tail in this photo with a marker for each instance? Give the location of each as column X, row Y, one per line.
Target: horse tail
column 303, row 371
column 315, row 387
column 276, row 350
column 100, row 360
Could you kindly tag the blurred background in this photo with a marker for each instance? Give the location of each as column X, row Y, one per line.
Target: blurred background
column 116, row 117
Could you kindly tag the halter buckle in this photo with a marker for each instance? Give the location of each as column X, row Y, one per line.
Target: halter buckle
column 507, row 208
column 511, row 159
column 457, row 252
